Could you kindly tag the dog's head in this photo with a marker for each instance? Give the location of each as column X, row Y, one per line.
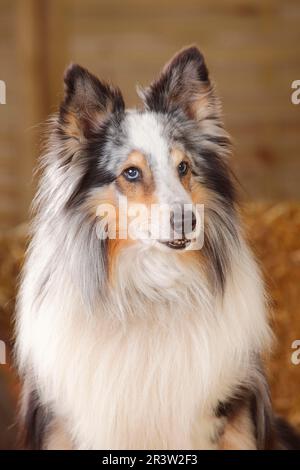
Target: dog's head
column 141, row 174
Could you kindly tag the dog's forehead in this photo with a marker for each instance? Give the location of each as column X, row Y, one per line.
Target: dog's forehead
column 147, row 132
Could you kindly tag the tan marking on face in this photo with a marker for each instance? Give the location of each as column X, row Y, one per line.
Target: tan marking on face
column 117, row 244
column 140, row 191
column 108, row 196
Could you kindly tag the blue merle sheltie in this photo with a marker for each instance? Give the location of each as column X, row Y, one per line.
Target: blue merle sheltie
column 142, row 342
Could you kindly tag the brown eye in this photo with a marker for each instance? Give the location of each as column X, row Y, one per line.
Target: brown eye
column 182, row 168
column 132, row 174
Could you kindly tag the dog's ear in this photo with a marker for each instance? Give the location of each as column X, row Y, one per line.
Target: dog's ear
column 183, row 84
column 87, row 103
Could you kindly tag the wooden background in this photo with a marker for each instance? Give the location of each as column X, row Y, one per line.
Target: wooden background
column 252, row 48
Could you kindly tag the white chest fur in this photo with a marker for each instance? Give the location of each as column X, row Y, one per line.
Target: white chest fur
column 147, row 369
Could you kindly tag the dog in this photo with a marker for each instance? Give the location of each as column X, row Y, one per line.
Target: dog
column 141, row 342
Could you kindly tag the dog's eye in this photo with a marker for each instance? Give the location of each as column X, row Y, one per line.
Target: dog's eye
column 182, row 168
column 132, row 174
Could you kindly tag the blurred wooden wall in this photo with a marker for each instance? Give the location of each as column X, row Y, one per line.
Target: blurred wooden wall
column 252, row 49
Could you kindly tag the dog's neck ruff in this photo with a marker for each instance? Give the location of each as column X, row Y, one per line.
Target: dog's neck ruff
column 149, row 367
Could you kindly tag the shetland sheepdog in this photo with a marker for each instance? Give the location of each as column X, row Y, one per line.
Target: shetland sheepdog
column 138, row 341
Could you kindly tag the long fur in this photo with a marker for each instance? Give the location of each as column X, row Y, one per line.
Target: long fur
column 149, row 360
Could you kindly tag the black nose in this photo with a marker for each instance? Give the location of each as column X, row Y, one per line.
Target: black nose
column 183, row 221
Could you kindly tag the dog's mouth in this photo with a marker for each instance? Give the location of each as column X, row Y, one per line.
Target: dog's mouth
column 179, row 244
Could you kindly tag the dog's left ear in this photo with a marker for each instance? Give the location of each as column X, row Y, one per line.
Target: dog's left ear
column 183, row 84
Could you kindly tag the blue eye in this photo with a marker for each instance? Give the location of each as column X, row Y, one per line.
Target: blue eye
column 182, row 168
column 132, row 174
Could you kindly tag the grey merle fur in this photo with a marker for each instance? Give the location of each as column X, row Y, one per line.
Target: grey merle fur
column 102, row 118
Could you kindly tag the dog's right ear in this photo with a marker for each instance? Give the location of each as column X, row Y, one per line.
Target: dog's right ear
column 87, row 104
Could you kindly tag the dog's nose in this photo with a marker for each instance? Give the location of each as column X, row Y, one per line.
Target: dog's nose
column 183, row 221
